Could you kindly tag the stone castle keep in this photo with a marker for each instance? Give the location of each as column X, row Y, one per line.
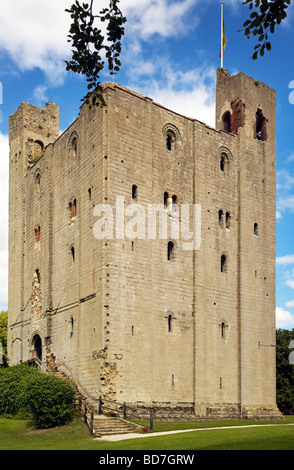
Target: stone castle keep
column 142, row 321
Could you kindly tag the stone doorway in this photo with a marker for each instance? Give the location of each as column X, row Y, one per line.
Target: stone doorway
column 37, row 347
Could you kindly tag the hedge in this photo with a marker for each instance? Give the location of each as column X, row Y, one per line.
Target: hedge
column 47, row 398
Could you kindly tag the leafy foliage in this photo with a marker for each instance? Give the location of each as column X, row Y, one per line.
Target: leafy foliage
column 50, row 400
column 264, row 21
column 285, row 372
column 3, row 338
column 89, row 44
column 13, row 383
column 25, row 390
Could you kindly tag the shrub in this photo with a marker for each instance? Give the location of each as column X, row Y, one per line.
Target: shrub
column 13, row 383
column 50, row 400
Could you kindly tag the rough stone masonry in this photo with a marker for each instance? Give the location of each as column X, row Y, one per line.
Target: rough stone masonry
column 143, row 321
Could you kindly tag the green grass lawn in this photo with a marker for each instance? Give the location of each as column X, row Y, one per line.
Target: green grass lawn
column 20, row 435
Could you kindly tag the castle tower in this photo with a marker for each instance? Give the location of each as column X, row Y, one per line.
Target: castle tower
column 31, row 130
column 245, row 108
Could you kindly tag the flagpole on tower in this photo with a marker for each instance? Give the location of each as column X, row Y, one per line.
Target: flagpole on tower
column 222, row 35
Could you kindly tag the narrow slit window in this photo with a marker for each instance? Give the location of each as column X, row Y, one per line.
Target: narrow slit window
column 170, row 251
column 165, row 199
column 223, row 330
column 90, row 194
column 73, row 208
column 220, row 217
column 255, row 229
column 223, row 263
column 72, row 254
column 37, row 234
column 169, row 322
column 175, row 203
column 228, row 220
column 134, row 192
column 38, row 276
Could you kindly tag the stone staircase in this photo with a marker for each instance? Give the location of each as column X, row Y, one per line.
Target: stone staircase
column 106, row 426
column 102, row 425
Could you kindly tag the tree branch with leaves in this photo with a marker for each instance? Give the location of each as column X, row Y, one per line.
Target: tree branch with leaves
column 263, row 22
column 89, row 44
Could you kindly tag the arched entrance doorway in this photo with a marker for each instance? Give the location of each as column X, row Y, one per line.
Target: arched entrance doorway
column 37, row 347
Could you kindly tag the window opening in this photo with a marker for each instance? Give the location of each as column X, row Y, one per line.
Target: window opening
column 175, row 203
column 168, row 142
column 228, row 220
column 220, row 217
column 134, row 191
column 260, row 126
column 223, row 330
column 224, row 163
column 169, row 321
column 72, row 254
column 170, row 251
column 165, row 199
column 223, row 263
column 73, row 208
column 38, row 233
column 90, row 194
column 256, row 229
column 227, row 122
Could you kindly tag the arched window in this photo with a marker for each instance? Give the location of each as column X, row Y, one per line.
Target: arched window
column 170, row 251
column 224, row 163
column 73, row 144
column 171, row 135
column 227, row 122
column 38, row 149
column 223, row 263
column 37, row 347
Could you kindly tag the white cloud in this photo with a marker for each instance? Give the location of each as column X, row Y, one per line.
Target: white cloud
column 4, row 165
column 34, row 34
column 290, row 303
column 163, row 17
column 290, row 283
column 287, row 259
column 284, row 319
column 190, row 93
column 39, row 95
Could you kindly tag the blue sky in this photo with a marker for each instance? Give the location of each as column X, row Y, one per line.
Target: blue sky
column 170, row 53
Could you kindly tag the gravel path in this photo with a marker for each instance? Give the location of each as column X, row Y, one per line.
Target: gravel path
column 122, row 437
